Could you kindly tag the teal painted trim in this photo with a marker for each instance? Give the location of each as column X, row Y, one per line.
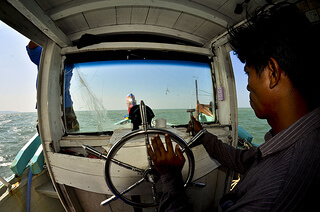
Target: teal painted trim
column 25, row 154
column 37, row 161
column 242, row 134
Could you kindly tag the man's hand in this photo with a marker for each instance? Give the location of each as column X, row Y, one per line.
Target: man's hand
column 32, row 45
column 194, row 125
column 165, row 161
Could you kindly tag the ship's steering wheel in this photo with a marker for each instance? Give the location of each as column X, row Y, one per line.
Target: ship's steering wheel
column 149, row 174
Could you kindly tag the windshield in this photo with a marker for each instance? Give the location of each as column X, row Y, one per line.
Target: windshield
column 99, row 95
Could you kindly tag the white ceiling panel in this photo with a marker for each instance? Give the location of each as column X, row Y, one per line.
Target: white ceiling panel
column 99, row 18
column 64, row 21
column 208, row 30
column 188, row 23
column 139, row 15
column 162, row 17
column 73, row 24
column 123, row 15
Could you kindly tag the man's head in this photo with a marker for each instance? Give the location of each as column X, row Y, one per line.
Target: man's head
column 281, row 35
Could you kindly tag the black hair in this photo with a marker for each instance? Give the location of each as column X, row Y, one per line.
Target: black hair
column 282, row 32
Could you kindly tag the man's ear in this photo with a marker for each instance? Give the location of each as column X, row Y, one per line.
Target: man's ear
column 274, row 72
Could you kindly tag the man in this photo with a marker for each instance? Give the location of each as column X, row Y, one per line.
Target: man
column 34, row 52
column 283, row 174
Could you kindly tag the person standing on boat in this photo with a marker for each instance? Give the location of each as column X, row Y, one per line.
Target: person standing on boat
column 280, row 48
column 34, row 52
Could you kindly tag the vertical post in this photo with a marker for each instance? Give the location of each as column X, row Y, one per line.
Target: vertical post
column 143, row 113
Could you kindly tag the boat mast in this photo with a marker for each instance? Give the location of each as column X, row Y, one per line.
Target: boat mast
column 197, row 91
column 197, row 109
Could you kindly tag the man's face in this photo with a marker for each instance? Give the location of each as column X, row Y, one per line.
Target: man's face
column 258, row 86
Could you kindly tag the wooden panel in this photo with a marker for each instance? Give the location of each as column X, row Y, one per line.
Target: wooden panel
column 139, row 15
column 188, row 23
column 79, row 180
column 88, row 174
column 67, row 142
column 32, row 11
column 123, row 15
column 77, row 164
column 161, row 17
column 216, row 4
column 203, row 163
column 98, row 18
column 208, row 30
column 73, row 24
column 96, row 199
column 139, row 45
column 149, row 29
column 48, row 4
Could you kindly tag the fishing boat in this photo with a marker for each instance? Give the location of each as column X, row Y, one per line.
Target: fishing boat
column 107, row 168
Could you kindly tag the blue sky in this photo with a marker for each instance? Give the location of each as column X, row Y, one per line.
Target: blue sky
column 161, row 84
column 18, row 74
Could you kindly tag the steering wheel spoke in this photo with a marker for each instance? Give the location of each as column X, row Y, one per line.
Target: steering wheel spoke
column 128, row 166
column 114, row 197
column 101, row 155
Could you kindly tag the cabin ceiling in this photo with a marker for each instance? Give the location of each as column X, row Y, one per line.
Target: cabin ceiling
column 195, row 21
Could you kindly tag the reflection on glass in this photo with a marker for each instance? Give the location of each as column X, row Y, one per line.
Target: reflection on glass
column 102, row 91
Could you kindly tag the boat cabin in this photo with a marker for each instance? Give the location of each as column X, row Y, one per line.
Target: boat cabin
column 115, row 72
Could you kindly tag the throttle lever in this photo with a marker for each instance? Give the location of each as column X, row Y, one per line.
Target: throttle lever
column 195, row 140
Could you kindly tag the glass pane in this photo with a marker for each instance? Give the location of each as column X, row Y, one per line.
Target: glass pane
column 102, row 92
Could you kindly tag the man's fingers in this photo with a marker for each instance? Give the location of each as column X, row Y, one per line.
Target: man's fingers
column 160, row 145
column 180, row 154
column 196, row 124
column 155, row 147
column 151, row 153
column 169, row 143
column 193, row 118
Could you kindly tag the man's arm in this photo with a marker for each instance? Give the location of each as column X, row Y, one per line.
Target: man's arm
column 34, row 52
column 235, row 159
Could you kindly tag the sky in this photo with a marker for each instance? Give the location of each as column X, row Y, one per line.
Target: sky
column 161, row 84
column 18, row 75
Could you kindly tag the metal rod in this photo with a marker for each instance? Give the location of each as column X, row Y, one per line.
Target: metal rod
column 195, row 139
column 114, row 197
column 154, row 192
column 103, row 156
column 143, row 113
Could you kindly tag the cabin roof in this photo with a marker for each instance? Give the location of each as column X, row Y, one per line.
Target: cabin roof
column 65, row 21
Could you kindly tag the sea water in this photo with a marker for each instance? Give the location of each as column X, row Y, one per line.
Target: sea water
column 17, row 128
